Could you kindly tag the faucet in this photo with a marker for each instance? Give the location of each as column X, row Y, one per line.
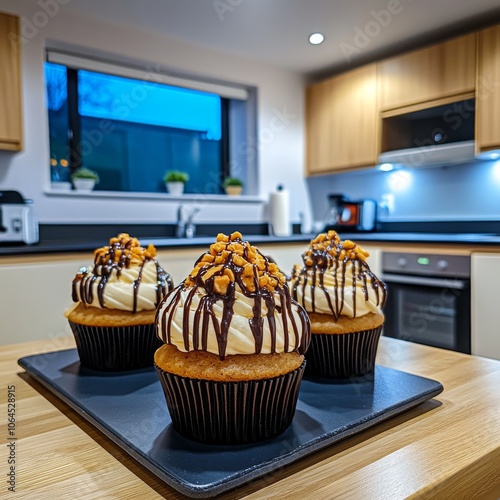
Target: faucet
column 185, row 228
column 180, row 228
column 190, row 227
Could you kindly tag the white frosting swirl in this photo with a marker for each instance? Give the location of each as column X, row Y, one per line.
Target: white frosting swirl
column 240, row 337
column 119, row 289
column 350, row 291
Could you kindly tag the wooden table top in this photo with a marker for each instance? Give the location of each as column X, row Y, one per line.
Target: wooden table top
column 448, row 447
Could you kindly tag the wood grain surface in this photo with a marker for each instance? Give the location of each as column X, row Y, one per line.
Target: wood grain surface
column 341, row 121
column 488, row 90
column 10, row 83
column 448, row 447
column 438, row 71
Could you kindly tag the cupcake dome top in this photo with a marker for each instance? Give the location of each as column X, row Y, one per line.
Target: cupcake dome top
column 125, row 276
column 327, row 248
column 336, row 279
column 123, row 251
column 231, row 260
column 234, row 301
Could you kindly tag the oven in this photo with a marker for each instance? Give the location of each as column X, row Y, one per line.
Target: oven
column 428, row 299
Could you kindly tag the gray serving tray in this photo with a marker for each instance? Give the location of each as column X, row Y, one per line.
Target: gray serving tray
column 129, row 408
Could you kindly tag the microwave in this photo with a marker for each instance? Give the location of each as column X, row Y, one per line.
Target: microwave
column 433, row 136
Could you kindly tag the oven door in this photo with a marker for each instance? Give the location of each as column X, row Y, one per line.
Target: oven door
column 430, row 311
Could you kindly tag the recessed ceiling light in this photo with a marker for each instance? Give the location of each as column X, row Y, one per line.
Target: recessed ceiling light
column 316, row 38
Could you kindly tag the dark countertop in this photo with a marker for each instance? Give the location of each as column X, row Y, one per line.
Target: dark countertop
column 164, row 242
column 160, row 242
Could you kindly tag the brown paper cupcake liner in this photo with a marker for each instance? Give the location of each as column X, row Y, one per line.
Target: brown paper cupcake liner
column 343, row 355
column 115, row 348
column 231, row 412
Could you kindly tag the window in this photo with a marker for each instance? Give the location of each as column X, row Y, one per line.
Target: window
column 132, row 130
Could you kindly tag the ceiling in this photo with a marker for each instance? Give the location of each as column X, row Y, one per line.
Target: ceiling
column 276, row 31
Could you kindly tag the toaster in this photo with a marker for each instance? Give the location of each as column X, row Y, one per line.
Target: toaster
column 18, row 223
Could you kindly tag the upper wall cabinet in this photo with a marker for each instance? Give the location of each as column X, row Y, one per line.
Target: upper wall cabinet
column 341, row 121
column 488, row 90
column 10, row 84
column 439, row 71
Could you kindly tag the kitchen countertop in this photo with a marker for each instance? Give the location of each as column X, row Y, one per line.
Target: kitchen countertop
column 448, row 447
column 75, row 245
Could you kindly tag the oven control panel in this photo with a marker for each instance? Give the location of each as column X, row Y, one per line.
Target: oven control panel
column 425, row 264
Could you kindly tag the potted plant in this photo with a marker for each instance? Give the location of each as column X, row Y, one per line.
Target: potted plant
column 233, row 186
column 84, row 179
column 174, row 181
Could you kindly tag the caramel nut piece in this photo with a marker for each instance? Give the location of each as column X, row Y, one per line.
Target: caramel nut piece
column 195, row 271
column 210, row 272
column 222, row 237
column 264, row 280
column 239, row 261
column 229, row 273
column 236, row 248
column 248, row 283
column 248, row 270
column 261, row 264
column 217, row 248
column 221, row 283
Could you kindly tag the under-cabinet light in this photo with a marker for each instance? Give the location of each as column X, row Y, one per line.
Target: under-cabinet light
column 386, row 167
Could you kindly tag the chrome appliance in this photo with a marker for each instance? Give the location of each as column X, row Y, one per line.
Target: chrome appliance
column 18, row 223
column 428, row 299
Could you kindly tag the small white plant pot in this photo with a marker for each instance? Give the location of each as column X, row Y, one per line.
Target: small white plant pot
column 234, row 190
column 175, row 187
column 84, row 184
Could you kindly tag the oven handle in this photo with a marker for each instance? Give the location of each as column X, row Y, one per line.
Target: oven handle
column 424, row 281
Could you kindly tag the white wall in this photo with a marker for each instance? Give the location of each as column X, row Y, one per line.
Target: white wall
column 280, row 142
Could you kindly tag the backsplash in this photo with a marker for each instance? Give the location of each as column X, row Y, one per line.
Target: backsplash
column 469, row 191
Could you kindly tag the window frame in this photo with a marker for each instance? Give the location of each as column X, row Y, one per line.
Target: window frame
column 226, row 92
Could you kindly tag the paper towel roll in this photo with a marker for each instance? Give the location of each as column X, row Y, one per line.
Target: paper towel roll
column 280, row 212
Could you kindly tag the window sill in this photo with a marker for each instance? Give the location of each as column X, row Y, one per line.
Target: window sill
column 218, row 198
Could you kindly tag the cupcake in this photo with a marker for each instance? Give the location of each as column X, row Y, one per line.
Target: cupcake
column 234, row 348
column 115, row 301
column 344, row 301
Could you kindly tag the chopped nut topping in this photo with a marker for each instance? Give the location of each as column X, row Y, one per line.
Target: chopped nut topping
column 229, row 260
column 124, row 249
column 328, row 246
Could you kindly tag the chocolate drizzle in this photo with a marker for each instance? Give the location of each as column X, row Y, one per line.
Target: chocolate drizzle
column 332, row 257
column 277, row 300
column 114, row 258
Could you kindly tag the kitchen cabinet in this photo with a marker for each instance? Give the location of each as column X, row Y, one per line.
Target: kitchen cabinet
column 10, row 84
column 444, row 71
column 488, row 90
column 341, row 121
column 485, row 279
